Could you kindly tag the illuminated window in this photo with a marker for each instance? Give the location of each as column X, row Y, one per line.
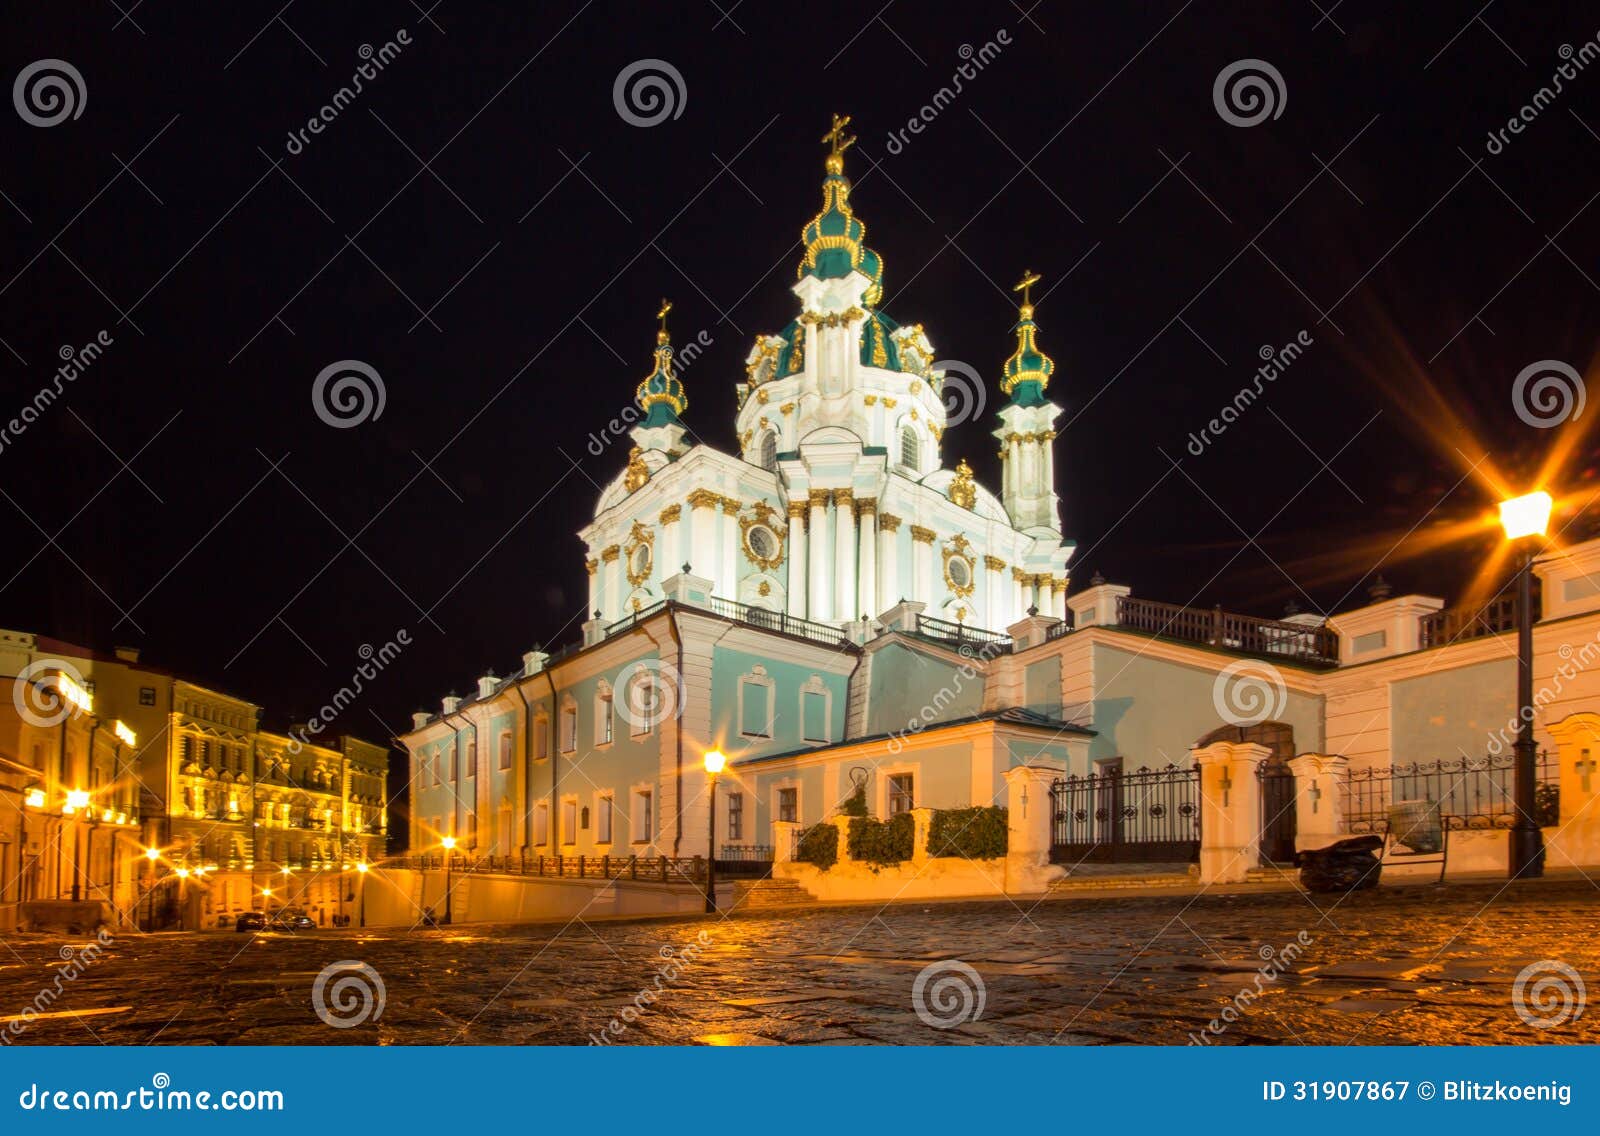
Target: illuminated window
column 735, row 816
column 505, row 750
column 901, row 786
column 910, row 449
column 789, row 804
column 569, row 728
column 603, row 822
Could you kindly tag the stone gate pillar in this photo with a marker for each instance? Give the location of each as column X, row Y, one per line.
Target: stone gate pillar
column 1028, row 810
column 1575, row 843
column 1230, row 809
column 1319, row 780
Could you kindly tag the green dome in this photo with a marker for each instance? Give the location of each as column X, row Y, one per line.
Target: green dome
column 661, row 395
column 832, row 238
column 1027, row 373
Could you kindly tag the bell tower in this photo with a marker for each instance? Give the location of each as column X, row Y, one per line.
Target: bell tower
column 1027, row 426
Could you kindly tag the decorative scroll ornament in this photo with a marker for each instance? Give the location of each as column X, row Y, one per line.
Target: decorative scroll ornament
column 963, row 490
column 638, row 473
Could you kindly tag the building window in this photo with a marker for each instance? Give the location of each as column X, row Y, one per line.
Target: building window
column 643, row 821
column 435, row 761
column 755, row 704
column 603, row 822
column 472, row 759
column 569, row 728
column 147, row 696
column 604, row 720
column 910, row 449
column 769, row 450
column 541, row 823
column 569, row 822
column 735, row 816
column 814, row 706
column 900, row 793
column 639, row 702
column 505, row 750
column 541, row 738
column 789, row 804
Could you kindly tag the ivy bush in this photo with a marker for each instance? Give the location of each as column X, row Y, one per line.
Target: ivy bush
column 855, row 805
column 819, row 845
column 974, row 834
column 1547, row 804
column 876, row 842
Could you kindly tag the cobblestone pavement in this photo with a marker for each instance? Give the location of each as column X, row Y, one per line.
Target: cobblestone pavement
column 1415, row 965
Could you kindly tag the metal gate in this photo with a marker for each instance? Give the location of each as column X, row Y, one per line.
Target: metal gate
column 1149, row 816
column 1277, row 814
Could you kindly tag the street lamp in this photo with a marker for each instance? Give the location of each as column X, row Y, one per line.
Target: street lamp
column 361, row 899
column 715, row 761
column 1524, row 519
column 449, row 843
column 77, row 802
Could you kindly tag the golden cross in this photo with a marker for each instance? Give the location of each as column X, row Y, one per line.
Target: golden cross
column 836, row 138
column 666, row 306
column 1025, row 285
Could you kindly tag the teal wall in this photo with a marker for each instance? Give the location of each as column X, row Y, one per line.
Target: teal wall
column 729, row 665
column 1041, row 686
column 909, row 686
column 1150, row 711
column 1448, row 713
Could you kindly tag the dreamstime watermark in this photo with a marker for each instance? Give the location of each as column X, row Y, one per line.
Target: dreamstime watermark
column 1544, row 96
column 961, row 389
column 1574, row 661
column 1247, row 92
column 974, row 61
column 47, row 92
column 48, row 701
column 374, row 660
column 1275, row 361
column 682, row 359
column 373, row 63
column 946, row 695
column 158, row 1096
column 652, row 691
column 1548, row 994
column 667, row 974
column 1249, row 691
column 358, row 994
column 74, row 961
column 74, row 362
column 1548, row 393
column 647, row 92
column 348, row 393
column 948, row 993
column 1278, row 961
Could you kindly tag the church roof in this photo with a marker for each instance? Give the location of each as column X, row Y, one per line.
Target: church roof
column 1011, row 716
column 1027, row 373
column 661, row 395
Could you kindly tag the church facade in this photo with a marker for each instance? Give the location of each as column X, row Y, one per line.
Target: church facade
column 837, row 607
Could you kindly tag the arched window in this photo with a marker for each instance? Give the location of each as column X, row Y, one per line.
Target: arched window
column 769, row 450
column 910, row 449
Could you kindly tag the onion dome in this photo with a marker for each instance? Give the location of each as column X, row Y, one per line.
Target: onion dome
column 661, row 395
column 1027, row 373
column 832, row 239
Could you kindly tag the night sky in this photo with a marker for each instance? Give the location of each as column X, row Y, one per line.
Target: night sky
column 506, row 294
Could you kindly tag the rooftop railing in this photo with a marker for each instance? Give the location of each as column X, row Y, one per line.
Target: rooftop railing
column 1248, row 634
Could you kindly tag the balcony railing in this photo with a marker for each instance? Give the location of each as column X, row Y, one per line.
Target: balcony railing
column 1247, row 634
column 959, row 635
column 782, row 622
column 1455, row 624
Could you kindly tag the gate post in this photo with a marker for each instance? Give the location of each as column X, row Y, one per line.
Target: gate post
column 1319, row 799
column 1576, row 843
column 783, row 840
column 1028, row 812
column 1230, row 809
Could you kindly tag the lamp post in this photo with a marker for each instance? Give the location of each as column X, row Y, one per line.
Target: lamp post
column 1524, row 520
column 449, row 843
column 77, row 801
column 715, row 761
column 361, row 896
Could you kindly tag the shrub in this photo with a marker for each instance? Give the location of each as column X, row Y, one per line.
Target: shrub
column 819, row 845
column 974, row 834
column 1547, row 804
column 855, row 805
column 876, row 842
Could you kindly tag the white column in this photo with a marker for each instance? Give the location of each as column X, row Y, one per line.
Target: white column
column 922, row 565
column 844, row 555
column 818, row 589
column 867, row 534
column 995, row 612
column 1019, row 591
column 700, row 536
column 797, row 558
column 888, row 563
column 593, row 568
column 728, row 550
column 1058, row 605
column 674, row 549
column 610, row 605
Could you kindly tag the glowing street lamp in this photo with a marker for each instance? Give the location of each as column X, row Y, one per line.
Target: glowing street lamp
column 715, row 761
column 152, row 854
column 76, row 799
column 1525, row 519
column 449, row 844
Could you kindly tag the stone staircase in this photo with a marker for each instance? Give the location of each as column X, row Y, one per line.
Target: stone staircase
column 748, row 894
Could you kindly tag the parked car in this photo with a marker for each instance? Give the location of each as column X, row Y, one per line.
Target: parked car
column 251, row 921
column 292, row 919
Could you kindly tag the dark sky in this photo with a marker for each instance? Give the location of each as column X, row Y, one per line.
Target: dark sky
column 257, row 548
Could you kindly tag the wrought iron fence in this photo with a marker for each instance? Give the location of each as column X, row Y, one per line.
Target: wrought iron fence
column 1472, row 792
column 991, row 642
column 779, row 621
column 1217, row 628
column 659, row 869
column 1151, row 815
column 1455, row 624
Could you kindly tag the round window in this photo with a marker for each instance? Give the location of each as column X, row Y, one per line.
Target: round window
column 761, row 543
column 639, row 560
column 960, row 569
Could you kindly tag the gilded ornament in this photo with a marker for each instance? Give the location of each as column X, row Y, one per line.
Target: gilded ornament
column 922, row 535
column 963, row 490
column 638, row 473
column 611, row 553
column 888, row 522
column 670, row 514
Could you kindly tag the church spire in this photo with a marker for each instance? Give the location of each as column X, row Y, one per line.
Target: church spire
column 833, row 239
column 661, row 395
column 1027, row 373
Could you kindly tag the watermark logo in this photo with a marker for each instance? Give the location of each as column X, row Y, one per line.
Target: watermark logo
column 358, row 994
column 1248, row 692
column 75, row 960
column 1547, row 393
column 1276, row 961
column 647, row 92
column 1274, row 362
column 348, row 393
column 948, row 993
column 974, row 60
column 1548, row 994
column 962, row 391
column 48, row 92
column 652, row 691
column 50, row 700
column 373, row 61
column 74, row 362
column 673, row 964
column 374, row 660
column 1248, row 92
column 1572, row 64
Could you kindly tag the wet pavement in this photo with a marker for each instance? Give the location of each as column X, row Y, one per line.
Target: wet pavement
column 1399, row 966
